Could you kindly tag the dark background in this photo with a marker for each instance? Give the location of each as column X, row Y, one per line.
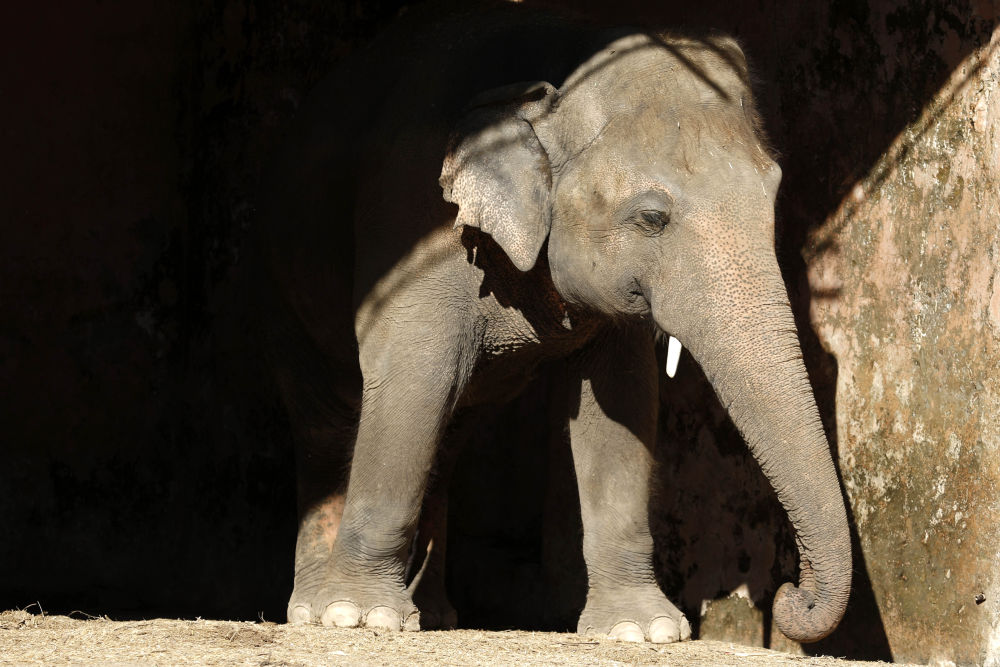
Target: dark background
column 146, row 464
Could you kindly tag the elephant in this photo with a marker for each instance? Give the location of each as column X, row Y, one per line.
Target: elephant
column 483, row 196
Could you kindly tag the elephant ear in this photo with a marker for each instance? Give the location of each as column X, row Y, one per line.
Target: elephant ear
column 498, row 172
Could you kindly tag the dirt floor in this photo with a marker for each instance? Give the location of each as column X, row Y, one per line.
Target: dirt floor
column 27, row 638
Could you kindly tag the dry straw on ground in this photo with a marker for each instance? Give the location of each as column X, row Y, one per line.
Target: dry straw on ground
column 27, row 638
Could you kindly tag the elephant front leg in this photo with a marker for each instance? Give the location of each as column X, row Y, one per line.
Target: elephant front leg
column 612, row 434
column 363, row 583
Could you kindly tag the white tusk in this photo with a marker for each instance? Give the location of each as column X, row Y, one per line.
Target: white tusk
column 673, row 356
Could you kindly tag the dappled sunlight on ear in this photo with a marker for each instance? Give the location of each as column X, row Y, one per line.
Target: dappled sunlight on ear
column 498, row 171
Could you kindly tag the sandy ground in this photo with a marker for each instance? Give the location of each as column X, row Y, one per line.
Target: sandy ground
column 54, row 640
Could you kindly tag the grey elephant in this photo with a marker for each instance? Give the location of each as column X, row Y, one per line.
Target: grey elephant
column 476, row 198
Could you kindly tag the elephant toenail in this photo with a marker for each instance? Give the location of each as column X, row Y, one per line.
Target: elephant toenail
column 342, row 615
column 627, row 631
column 685, row 629
column 384, row 618
column 299, row 615
column 664, row 630
column 412, row 623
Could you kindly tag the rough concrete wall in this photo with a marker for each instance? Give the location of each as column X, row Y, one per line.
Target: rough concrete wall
column 908, row 269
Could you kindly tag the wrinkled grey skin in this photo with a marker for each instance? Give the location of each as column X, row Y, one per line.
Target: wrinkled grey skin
column 609, row 188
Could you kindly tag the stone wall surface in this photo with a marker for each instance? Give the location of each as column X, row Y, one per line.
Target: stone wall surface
column 907, row 278
column 146, row 461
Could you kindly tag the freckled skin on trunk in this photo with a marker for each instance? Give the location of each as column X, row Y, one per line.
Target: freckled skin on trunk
column 759, row 377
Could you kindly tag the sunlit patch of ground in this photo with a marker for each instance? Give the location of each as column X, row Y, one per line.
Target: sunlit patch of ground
column 27, row 638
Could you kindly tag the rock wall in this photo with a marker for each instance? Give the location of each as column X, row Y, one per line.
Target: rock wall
column 907, row 277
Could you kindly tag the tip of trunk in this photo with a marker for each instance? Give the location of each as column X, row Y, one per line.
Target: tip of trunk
column 804, row 616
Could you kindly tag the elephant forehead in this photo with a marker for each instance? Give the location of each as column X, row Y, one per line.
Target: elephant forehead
column 638, row 66
column 656, row 98
column 649, row 149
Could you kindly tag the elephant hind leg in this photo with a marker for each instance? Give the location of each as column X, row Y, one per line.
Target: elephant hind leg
column 426, row 579
column 427, row 587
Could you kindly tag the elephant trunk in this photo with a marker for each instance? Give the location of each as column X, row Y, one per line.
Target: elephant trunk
column 755, row 366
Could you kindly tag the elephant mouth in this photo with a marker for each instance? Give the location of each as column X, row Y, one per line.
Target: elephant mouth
column 639, row 295
column 674, row 348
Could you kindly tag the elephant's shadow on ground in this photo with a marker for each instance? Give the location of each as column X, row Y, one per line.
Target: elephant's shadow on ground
column 515, row 535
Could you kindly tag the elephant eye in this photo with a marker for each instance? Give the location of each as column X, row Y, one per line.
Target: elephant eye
column 652, row 221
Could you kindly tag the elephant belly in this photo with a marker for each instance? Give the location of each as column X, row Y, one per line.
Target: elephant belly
column 513, row 356
column 498, row 382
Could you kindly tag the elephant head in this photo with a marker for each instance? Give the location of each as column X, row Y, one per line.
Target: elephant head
column 648, row 175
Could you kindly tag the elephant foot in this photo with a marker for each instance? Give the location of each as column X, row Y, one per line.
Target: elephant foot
column 430, row 596
column 436, row 612
column 428, row 586
column 634, row 614
column 324, row 596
